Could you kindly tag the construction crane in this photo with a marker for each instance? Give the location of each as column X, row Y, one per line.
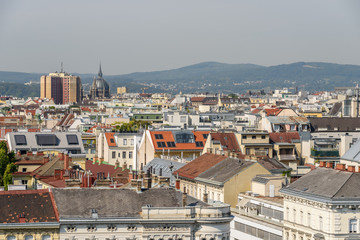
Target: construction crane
column 143, row 89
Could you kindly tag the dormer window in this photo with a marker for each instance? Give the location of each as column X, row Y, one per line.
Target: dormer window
column 159, row 136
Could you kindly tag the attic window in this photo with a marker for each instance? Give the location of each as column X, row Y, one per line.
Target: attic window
column 263, row 137
column 244, row 137
column 159, row 136
column 46, row 139
column 171, row 144
column 199, row 144
column 205, row 136
column 112, row 140
column 20, row 140
column 161, row 144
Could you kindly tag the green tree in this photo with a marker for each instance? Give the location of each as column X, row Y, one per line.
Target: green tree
column 10, row 168
column 6, row 158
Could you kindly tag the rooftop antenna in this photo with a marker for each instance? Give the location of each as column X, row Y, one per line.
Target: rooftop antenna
column 62, row 67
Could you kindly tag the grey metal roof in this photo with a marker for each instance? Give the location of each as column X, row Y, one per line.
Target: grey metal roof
column 124, row 203
column 164, row 164
column 36, row 141
column 224, row 170
column 353, row 154
column 327, row 184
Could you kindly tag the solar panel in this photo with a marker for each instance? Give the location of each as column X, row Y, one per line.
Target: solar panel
column 46, row 139
column 72, row 139
column 20, row 140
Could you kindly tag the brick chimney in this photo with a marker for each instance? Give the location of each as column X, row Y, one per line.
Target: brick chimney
column 117, row 164
column 61, row 156
column 340, row 166
column 124, row 166
column 39, row 153
column 329, row 165
column 66, row 161
column 46, row 159
column 139, row 185
column 29, row 153
column 351, row 168
column 18, row 153
column 177, row 184
column 21, row 218
column 322, row 164
column 72, row 183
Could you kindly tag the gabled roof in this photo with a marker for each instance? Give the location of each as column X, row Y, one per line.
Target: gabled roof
column 109, row 136
column 256, row 110
column 335, row 124
column 272, row 112
column 284, row 137
column 327, row 185
column 336, row 108
column 35, row 205
column 199, row 165
column 197, row 99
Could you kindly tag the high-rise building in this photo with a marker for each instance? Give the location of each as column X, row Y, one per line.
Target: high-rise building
column 62, row 87
column 99, row 88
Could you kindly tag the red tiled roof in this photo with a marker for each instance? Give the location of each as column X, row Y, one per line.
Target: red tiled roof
column 256, row 110
column 32, row 112
column 284, row 137
column 109, row 136
column 227, row 140
column 199, row 165
column 96, row 168
column 197, row 99
column 272, row 112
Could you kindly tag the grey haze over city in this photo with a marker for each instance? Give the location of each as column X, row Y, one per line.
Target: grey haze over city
column 137, row 36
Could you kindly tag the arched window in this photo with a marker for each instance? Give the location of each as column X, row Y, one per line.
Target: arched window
column 29, row 237
column 46, row 237
column 11, row 238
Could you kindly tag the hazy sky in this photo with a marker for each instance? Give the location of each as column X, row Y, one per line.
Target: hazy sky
column 145, row 35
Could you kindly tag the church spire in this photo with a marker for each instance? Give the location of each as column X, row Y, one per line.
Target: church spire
column 100, row 72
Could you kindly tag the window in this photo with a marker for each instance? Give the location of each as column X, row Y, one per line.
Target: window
column 184, row 138
column 20, row 140
column 309, row 219
column 199, row 144
column 263, row 137
column 132, row 142
column 182, row 119
column 159, row 136
column 10, row 238
column 205, row 136
column 301, row 217
column 24, row 182
column 123, row 154
column 253, row 137
column 72, row 139
column 161, row 144
column 112, row 140
column 294, row 215
column 118, row 154
column 171, row 144
column 353, row 226
column 247, row 151
column 29, row 237
column 113, row 154
column 124, row 142
column 244, row 137
column 46, row 139
column 24, row 169
column 287, row 213
column 130, row 154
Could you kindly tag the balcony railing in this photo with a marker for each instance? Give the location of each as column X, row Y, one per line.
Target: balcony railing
column 324, row 153
column 287, row 157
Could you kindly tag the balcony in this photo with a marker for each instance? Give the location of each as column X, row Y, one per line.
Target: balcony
column 287, row 157
column 325, row 153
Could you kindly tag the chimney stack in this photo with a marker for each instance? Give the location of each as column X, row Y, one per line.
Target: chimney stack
column 21, row 218
column 139, row 185
column 29, row 153
column 18, row 153
column 177, row 184
column 46, row 159
column 184, row 198
column 329, row 165
column 351, row 168
column 322, row 164
column 340, row 166
column 124, row 166
column 117, row 164
column 39, row 153
column 61, row 156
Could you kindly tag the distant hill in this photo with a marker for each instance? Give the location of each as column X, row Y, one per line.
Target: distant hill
column 218, row 77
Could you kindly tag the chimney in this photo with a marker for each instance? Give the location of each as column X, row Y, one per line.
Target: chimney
column 322, row 164
column 206, row 197
column 72, row 183
column 29, row 153
column 18, row 153
column 57, row 174
column 184, row 198
column 124, row 166
column 66, row 161
column 147, row 182
column 39, row 153
column 117, row 164
column 21, row 218
column 139, row 185
column 177, row 184
column 45, row 159
column 61, row 156
column 340, row 166
column 351, row 168
column 329, row 165
column 134, row 183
